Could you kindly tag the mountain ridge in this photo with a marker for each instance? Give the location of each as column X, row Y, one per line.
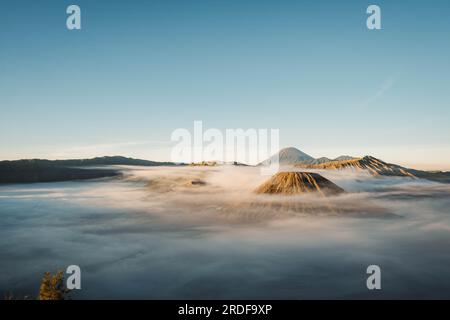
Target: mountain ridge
column 377, row 167
column 292, row 155
column 105, row 160
column 42, row 170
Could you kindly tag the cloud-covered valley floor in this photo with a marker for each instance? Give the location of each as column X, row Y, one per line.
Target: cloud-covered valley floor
column 196, row 232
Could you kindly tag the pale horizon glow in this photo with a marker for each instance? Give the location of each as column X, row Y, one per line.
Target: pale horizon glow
column 160, row 151
column 138, row 70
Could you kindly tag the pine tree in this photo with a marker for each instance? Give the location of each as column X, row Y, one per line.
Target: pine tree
column 53, row 287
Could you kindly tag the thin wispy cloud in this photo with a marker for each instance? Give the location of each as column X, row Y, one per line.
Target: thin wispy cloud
column 385, row 87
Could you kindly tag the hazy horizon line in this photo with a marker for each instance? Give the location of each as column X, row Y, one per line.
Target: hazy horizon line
column 406, row 164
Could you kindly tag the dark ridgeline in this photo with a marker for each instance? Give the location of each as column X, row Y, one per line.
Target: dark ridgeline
column 100, row 161
column 37, row 170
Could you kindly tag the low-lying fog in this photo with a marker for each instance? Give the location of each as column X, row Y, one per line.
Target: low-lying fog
column 201, row 232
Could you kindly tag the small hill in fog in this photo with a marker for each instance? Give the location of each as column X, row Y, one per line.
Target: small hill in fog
column 297, row 183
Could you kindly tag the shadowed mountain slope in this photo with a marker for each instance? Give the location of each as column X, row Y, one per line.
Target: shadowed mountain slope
column 378, row 167
column 40, row 170
column 372, row 165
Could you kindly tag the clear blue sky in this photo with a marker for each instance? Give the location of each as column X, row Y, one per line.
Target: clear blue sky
column 140, row 69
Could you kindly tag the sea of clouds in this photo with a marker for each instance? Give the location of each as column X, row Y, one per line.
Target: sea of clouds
column 202, row 232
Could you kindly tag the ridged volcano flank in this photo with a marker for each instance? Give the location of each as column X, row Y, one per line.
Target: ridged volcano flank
column 297, row 183
column 374, row 166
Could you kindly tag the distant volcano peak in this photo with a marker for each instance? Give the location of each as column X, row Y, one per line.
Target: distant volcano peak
column 291, row 151
column 288, row 156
